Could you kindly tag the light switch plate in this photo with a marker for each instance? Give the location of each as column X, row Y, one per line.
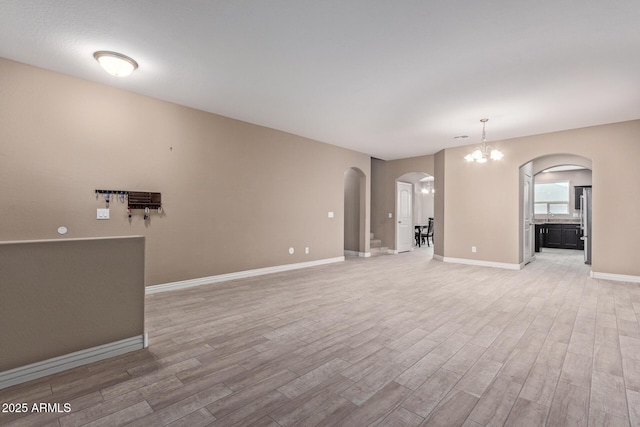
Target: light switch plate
column 330, row 215
column 103, row 214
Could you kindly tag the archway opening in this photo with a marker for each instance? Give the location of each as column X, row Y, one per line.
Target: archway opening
column 414, row 235
column 555, row 214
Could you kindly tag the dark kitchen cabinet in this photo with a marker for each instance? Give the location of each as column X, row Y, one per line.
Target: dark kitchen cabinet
column 577, row 193
column 561, row 236
column 539, row 236
column 571, row 236
column 554, row 236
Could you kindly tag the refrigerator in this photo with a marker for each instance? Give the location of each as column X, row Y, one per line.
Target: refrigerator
column 585, row 224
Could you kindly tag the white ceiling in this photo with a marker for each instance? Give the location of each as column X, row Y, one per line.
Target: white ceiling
column 392, row 78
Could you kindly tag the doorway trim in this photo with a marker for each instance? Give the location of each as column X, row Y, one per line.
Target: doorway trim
column 527, row 217
column 354, row 230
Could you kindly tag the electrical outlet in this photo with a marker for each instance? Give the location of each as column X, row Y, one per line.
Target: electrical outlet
column 291, row 251
column 390, row 215
column 473, row 249
column 330, row 214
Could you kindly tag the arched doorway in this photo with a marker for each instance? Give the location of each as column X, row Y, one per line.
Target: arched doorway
column 420, row 207
column 354, row 213
column 551, row 214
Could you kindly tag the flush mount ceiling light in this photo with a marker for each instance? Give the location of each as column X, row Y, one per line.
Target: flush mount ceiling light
column 482, row 153
column 114, row 63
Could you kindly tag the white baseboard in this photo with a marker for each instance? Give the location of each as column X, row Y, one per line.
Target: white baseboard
column 392, row 252
column 615, row 277
column 479, row 262
column 68, row 361
column 183, row 284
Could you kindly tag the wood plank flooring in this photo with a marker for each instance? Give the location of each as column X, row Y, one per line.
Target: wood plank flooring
column 390, row 341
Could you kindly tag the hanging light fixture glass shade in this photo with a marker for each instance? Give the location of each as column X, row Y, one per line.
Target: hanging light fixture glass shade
column 115, row 63
column 429, row 189
column 484, row 152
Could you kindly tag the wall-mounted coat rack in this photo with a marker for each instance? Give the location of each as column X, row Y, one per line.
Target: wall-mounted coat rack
column 110, row 194
column 135, row 200
column 142, row 200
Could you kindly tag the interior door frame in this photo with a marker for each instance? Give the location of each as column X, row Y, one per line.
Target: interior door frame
column 398, row 219
column 526, row 171
column 527, row 220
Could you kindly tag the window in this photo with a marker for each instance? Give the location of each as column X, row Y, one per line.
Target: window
column 551, row 198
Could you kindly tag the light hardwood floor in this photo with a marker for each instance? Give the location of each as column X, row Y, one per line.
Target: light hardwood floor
column 390, row 341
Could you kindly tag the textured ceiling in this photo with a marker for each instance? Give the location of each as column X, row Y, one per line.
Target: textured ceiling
column 393, row 79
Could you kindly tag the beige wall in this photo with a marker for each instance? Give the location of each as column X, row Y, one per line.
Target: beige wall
column 439, row 219
column 378, row 199
column 482, row 200
column 236, row 196
column 62, row 296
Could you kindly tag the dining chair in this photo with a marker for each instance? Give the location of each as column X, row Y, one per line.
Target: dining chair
column 428, row 233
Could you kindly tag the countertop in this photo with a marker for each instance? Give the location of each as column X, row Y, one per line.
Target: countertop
column 557, row 221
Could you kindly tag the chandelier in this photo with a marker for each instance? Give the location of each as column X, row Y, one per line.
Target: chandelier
column 428, row 189
column 483, row 152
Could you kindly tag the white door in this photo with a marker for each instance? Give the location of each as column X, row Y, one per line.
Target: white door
column 404, row 224
column 527, row 214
